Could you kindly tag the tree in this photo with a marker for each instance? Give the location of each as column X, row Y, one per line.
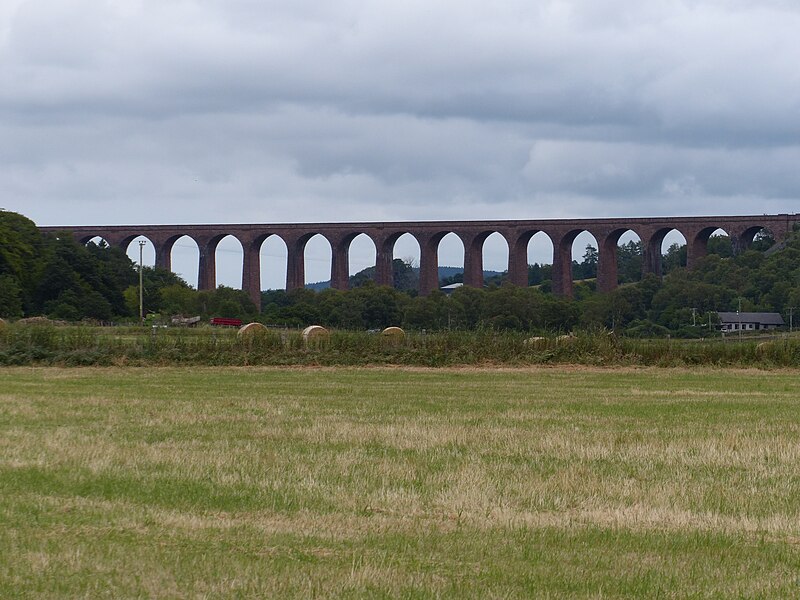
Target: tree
column 587, row 269
column 538, row 274
column 629, row 262
column 10, row 296
column 720, row 245
column 674, row 258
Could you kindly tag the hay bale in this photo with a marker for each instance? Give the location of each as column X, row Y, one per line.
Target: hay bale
column 252, row 329
column 393, row 336
column 315, row 333
column 394, row 333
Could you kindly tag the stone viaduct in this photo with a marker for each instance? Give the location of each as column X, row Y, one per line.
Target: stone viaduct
column 517, row 234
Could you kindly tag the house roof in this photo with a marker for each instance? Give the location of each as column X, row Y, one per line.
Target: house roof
column 762, row 318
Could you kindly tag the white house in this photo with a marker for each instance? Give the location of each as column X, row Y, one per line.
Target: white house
column 749, row 321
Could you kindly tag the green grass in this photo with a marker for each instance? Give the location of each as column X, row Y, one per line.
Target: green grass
column 399, row 483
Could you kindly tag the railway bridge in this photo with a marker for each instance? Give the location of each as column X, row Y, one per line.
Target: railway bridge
column 561, row 232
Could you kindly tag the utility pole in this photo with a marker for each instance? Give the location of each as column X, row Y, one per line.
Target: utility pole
column 141, row 285
column 694, row 317
column 739, row 314
column 791, row 319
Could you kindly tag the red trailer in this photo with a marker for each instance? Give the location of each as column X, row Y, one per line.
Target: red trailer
column 226, row 322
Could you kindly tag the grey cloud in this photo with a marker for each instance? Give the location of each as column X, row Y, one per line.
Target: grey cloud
column 131, row 110
column 637, row 170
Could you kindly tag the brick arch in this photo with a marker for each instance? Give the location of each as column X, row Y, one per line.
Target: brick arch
column 85, row 239
column 125, row 244
column 607, row 268
column 473, row 253
column 164, row 246
column 697, row 244
column 112, row 240
column 296, row 247
column 251, row 263
column 562, row 258
column 429, row 257
column 208, row 258
column 652, row 248
column 745, row 237
column 384, row 254
column 340, row 257
column 518, row 242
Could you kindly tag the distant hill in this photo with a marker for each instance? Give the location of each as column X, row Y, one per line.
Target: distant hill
column 444, row 273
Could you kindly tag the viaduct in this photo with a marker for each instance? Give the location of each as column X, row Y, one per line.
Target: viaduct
column 517, row 234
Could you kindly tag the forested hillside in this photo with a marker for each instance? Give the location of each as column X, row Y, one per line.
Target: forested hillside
column 59, row 278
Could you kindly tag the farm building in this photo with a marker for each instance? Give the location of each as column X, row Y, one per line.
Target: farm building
column 750, row 321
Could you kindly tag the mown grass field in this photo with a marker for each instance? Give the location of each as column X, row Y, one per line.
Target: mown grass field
column 399, row 483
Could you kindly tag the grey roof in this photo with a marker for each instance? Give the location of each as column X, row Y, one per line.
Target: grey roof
column 763, row 318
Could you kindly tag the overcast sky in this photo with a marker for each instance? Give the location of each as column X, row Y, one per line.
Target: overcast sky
column 206, row 111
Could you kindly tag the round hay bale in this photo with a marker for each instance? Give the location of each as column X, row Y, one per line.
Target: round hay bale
column 252, row 329
column 393, row 336
column 315, row 333
column 394, row 333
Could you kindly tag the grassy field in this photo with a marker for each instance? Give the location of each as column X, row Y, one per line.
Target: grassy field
column 399, row 483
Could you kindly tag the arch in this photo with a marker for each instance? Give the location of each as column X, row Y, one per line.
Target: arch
column 317, row 254
column 362, row 254
column 619, row 259
column 716, row 241
column 755, row 236
column 97, row 240
column 664, row 251
column 493, row 254
column 529, row 251
column 429, row 272
column 539, row 251
column 539, row 248
column 580, row 245
column 184, row 257
column 450, row 252
column 131, row 247
column 228, row 253
column 569, row 262
column 273, row 257
column 398, row 261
